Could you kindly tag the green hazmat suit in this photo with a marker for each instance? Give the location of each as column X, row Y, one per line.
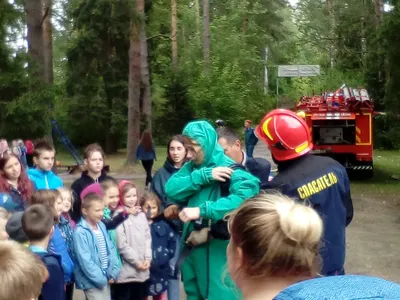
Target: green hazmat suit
column 204, row 271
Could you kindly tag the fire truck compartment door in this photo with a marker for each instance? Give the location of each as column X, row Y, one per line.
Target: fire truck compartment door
column 333, row 116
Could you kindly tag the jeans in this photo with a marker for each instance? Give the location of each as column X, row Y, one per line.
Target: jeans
column 174, row 284
column 249, row 150
column 98, row 294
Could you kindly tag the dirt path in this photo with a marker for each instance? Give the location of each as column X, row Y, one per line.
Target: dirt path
column 373, row 238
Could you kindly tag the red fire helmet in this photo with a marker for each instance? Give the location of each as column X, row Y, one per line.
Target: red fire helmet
column 286, row 134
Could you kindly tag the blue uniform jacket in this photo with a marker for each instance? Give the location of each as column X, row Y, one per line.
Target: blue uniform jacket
column 88, row 272
column 325, row 184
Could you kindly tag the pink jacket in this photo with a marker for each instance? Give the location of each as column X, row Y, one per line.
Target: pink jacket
column 134, row 245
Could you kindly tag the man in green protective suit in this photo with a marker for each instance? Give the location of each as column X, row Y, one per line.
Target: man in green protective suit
column 196, row 187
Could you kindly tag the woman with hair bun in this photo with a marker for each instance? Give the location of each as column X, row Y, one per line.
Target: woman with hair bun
column 274, row 243
column 273, row 254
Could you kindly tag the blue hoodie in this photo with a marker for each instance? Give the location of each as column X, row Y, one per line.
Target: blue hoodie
column 58, row 246
column 53, row 288
column 88, row 271
column 142, row 154
column 44, row 180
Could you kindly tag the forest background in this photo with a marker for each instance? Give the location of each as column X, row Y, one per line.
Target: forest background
column 108, row 69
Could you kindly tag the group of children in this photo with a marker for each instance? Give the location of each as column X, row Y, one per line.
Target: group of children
column 119, row 248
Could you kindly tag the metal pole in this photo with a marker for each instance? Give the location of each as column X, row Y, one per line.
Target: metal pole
column 266, row 73
column 277, row 91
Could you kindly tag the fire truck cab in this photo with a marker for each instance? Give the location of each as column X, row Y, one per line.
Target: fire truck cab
column 341, row 126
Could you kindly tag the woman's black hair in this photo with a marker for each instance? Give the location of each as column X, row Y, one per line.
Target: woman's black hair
column 179, row 138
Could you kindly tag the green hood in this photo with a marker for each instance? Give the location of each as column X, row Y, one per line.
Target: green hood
column 205, row 135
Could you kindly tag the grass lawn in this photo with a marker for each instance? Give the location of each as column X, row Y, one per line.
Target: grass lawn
column 386, row 164
column 117, row 161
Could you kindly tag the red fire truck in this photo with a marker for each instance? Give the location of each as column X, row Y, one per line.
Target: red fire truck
column 341, row 126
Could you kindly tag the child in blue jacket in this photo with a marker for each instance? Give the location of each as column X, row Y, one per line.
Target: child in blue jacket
column 163, row 244
column 96, row 261
column 43, row 176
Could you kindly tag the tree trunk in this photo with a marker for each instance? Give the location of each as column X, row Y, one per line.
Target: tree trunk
column 197, row 7
column 174, row 35
column 183, row 37
column 206, row 34
column 332, row 31
column 48, row 41
column 134, row 85
column 145, row 76
column 363, row 37
column 34, row 17
column 244, row 24
column 378, row 12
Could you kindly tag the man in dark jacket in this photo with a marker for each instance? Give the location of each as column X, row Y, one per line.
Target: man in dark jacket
column 250, row 138
column 230, row 142
column 321, row 181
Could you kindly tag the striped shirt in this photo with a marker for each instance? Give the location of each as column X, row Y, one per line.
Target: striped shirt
column 103, row 249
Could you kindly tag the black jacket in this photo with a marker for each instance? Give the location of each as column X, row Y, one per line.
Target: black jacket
column 160, row 178
column 259, row 167
column 78, row 186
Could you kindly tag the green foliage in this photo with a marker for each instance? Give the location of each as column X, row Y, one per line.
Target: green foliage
column 97, row 76
column 391, row 32
column 91, row 46
column 222, row 93
column 173, row 109
column 24, row 102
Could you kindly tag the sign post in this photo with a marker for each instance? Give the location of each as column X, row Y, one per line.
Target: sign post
column 295, row 71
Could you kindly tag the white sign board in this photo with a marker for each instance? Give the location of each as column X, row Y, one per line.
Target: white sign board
column 298, row 70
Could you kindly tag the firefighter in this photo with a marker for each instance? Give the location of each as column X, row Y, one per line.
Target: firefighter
column 321, row 181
